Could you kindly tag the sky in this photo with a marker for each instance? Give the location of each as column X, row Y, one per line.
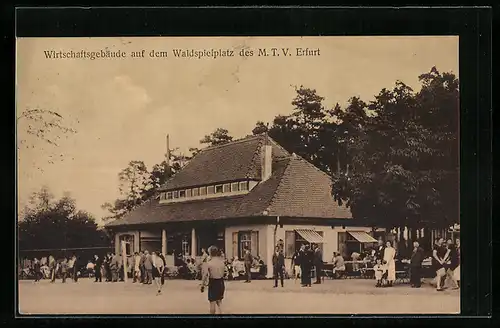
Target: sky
column 122, row 108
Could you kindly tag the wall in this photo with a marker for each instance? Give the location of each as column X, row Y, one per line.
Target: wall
column 228, row 236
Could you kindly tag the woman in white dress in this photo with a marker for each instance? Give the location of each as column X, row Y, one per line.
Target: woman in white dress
column 389, row 254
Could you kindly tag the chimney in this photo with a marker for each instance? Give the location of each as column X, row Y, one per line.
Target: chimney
column 267, row 161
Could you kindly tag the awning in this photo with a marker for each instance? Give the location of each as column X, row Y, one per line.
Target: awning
column 362, row 237
column 310, row 235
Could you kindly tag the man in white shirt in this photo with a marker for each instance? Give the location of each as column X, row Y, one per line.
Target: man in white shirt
column 137, row 267
column 158, row 266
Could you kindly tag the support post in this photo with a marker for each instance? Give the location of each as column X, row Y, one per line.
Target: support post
column 124, row 259
column 269, row 250
column 117, row 244
column 193, row 243
column 164, row 242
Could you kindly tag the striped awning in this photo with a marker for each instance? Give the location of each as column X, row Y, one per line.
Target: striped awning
column 362, row 237
column 310, row 235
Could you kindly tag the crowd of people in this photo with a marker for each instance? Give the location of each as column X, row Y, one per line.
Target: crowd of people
column 148, row 268
column 49, row 267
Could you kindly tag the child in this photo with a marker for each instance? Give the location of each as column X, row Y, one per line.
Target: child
column 380, row 270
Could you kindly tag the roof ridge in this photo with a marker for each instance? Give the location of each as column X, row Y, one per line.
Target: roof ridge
column 232, row 142
column 271, row 201
column 255, row 154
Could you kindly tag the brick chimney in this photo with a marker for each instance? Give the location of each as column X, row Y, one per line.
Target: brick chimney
column 266, row 161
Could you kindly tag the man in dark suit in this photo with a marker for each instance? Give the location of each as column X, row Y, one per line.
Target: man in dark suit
column 379, row 250
column 248, row 259
column 278, row 266
column 318, row 263
column 417, row 257
column 306, row 265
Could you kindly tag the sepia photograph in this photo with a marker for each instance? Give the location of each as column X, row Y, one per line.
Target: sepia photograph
column 238, row 175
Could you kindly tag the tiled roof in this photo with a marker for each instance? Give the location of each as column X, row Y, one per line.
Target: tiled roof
column 305, row 191
column 296, row 188
column 233, row 161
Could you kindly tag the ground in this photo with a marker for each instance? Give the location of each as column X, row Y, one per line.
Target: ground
column 351, row 296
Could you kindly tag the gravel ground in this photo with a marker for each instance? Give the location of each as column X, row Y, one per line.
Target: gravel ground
column 352, row 296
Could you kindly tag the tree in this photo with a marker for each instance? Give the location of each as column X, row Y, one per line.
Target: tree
column 59, row 225
column 136, row 185
column 134, row 180
column 219, row 137
column 260, row 128
column 404, row 158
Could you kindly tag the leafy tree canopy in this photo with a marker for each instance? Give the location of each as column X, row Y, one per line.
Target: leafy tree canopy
column 57, row 224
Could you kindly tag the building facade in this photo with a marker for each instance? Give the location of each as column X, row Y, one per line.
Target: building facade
column 250, row 193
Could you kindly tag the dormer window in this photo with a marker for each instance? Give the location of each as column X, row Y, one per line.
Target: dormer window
column 218, row 189
column 208, row 191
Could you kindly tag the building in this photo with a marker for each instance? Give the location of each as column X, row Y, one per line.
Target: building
column 250, row 193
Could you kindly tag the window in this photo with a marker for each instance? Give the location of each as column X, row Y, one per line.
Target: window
column 245, row 242
column 162, row 196
column 203, row 191
column 188, row 193
column 243, row 185
column 176, row 194
column 196, row 192
column 169, row 195
column 218, row 189
column 129, row 244
column 226, row 188
column 235, row 186
column 210, row 190
column 182, row 193
column 248, row 240
column 289, row 243
column 186, row 247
